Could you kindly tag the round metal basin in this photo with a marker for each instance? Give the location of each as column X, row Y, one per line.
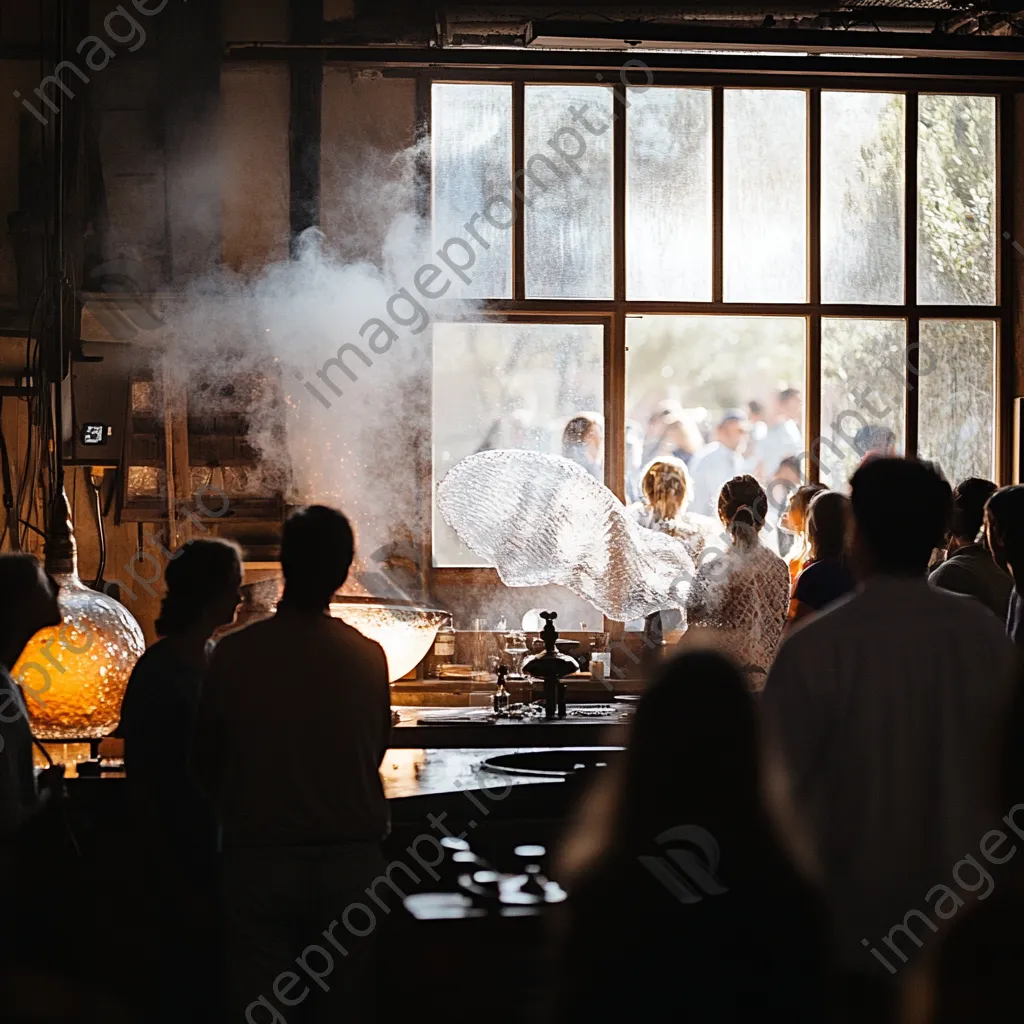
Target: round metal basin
column 554, row 764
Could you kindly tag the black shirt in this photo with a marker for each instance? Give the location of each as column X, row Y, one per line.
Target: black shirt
column 157, row 718
column 822, row 582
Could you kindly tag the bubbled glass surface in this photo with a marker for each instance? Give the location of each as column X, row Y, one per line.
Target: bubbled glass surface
column 405, row 632
column 74, row 676
column 541, row 519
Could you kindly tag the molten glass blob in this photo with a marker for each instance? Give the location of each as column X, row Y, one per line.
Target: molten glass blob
column 404, row 631
column 75, row 675
column 541, row 519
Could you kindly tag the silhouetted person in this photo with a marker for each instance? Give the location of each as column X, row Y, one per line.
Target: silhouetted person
column 969, row 567
column 683, row 903
column 883, row 707
column 973, row 974
column 178, row 825
column 28, row 603
column 826, row 576
column 293, row 723
column 1004, row 529
column 874, row 440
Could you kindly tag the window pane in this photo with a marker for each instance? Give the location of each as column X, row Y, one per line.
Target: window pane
column 956, row 200
column 568, row 189
column 765, row 195
column 863, row 393
column 863, row 145
column 511, row 386
column 683, row 373
column 471, row 144
column 957, row 399
column 668, row 195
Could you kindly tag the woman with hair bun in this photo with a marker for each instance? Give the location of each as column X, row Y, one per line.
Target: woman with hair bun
column 667, row 490
column 741, row 590
column 177, row 824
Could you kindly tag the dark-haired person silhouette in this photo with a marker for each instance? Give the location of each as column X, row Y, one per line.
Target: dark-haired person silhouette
column 178, row 825
column 969, row 567
column 684, row 902
column 883, row 708
column 1004, row 529
column 28, row 603
column 294, row 720
column 973, row 974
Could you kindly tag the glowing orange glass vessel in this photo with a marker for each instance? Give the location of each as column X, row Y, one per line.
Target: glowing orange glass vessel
column 75, row 675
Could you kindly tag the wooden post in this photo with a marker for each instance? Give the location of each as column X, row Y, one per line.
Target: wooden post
column 179, row 483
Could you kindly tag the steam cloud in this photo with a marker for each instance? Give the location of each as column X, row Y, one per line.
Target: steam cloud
column 361, row 445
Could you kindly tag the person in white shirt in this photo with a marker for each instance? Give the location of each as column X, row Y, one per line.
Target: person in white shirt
column 882, row 710
column 718, row 462
column 784, row 438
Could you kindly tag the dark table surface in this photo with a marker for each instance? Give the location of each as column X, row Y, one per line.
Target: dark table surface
column 445, row 728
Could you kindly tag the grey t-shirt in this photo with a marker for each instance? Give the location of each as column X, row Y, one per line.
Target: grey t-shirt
column 971, row 570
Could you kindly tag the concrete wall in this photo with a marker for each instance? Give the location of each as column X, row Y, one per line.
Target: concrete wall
column 367, row 120
column 254, row 165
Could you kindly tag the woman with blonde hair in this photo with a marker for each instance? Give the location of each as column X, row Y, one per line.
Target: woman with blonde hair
column 826, row 575
column 794, row 521
column 666, row 489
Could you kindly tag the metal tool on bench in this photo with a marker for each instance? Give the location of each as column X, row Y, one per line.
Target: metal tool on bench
column 551, row 666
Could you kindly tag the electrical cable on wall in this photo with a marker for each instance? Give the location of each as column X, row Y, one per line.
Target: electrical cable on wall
column 10, row 524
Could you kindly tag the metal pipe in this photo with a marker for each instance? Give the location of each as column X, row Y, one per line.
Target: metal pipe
column 522, row 60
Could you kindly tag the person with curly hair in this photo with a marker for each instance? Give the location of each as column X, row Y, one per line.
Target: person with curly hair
column 667, row 490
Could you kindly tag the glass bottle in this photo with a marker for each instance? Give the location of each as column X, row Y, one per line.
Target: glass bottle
column 82, row 666
column 501, row 696
column 444, row 648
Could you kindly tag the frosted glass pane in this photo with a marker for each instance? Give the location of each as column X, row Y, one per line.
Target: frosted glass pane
column 956, row 410
column 684, row 372
column 863, row 176
column 956, row 200
column 668, row 195
column 765, row 195
column 512, row 386
column 863, row 393
column 568, row 189
column 471, row 147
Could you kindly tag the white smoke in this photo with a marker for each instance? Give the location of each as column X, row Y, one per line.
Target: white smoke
column 355, row 413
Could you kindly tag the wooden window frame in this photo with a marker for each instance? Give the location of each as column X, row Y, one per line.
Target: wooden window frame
column 614, row 311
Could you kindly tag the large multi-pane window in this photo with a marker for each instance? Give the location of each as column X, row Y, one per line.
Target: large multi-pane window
column 801, row 273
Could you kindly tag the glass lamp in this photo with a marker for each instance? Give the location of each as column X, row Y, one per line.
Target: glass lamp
column 74, row 675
